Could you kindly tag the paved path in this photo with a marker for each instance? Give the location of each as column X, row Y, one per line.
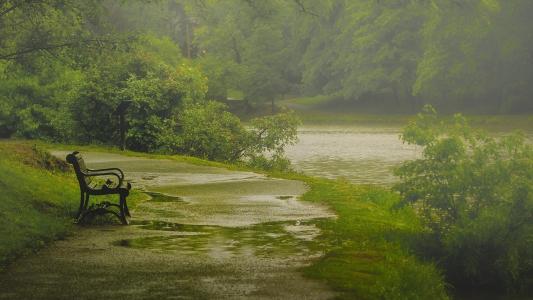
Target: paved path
column 204, row 233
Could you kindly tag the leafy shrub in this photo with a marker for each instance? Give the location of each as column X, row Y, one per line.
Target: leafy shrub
column 208, row 131
column 474, row 194
column 33, row 103
column 157, row 97
column 157, row 89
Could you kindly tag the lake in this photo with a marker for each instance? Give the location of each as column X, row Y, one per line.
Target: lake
column 357, row 153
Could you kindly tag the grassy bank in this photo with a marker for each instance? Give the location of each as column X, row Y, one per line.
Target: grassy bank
column 492, row 123
column 36, row 204
column 366, row 256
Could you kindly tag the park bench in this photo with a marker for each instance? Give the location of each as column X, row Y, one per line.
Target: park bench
column 98, row 182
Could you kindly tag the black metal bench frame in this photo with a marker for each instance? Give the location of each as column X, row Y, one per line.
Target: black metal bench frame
column 85, row 178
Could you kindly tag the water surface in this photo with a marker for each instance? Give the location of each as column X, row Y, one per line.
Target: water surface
column 359, row 154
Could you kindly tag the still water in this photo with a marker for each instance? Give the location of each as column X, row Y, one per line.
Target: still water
column 358, row 154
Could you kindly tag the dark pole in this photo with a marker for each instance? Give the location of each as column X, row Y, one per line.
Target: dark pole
column 122, row 124
column 121, row 112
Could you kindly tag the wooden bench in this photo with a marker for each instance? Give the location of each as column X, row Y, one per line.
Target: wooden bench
column 90, row 184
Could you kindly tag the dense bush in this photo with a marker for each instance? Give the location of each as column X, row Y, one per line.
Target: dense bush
column 474, row 194
column 75, row 100
column 33, row 101
column 157, row 89
column 208, row 131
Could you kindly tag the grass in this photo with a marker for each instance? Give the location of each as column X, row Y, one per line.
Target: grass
column 307, row 102
column 492, row 123
column 336, row 118
column 367, row 255
column 35, row 204
column 235, row 94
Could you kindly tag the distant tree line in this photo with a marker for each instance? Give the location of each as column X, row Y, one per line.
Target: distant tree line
column 474, row 55
column 66, row 64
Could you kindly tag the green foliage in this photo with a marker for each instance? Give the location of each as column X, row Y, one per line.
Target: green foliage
column 381, row 55
column 208, row 131
column 244, row 47
column 34, row 104
column 474, row 194
column 28, row 27
column 158, row 91
column 157, row 99
column 477, row 54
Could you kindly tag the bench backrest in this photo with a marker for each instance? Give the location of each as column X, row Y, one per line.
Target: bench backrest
column 78, row 163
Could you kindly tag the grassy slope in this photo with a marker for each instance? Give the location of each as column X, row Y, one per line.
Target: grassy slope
column 36, row 205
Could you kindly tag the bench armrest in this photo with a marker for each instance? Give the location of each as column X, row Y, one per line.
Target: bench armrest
column 105, row 170
column 104, row 174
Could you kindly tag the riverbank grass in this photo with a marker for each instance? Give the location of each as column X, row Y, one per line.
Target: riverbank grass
column 367, row 254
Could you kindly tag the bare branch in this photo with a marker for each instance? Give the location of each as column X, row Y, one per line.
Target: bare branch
column 15, row 6
column 50, row 47
column 304, row 9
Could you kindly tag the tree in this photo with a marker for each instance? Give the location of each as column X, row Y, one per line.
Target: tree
column 49, row 26
column 158, row 91
column 475, row 195
column 478, row 55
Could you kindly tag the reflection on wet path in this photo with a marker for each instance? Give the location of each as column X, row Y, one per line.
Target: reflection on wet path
column 203, row 232
column 263, row 240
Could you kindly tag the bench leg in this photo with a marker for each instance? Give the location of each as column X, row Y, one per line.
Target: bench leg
column 126, row 209
column 84, row 215
column 86, row 204
column 123, row 208
column 82, row 201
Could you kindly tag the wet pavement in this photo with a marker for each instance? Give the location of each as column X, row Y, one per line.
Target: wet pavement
column 202, row 233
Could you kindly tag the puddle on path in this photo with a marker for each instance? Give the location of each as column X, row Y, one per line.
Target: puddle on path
column 205, row 233
column 263, row 240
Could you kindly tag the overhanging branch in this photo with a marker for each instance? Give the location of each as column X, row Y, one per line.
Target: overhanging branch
column 50, row 47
